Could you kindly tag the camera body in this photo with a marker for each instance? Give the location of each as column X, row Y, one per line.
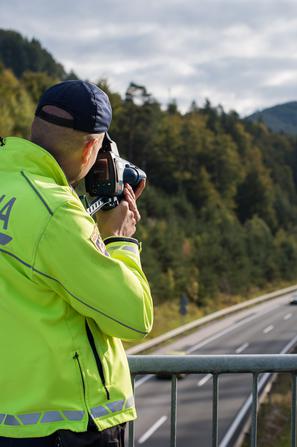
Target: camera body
column 106, row 179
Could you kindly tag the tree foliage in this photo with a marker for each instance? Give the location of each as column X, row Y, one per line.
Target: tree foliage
column 219, row 214
column 16, row 106
column 21, row 54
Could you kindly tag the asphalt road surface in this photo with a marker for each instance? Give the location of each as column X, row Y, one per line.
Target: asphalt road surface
column 265, row 329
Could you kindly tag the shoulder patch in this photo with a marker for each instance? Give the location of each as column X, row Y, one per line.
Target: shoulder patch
column 98, row 242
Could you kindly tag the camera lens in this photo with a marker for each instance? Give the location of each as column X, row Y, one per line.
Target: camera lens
column 131, row 176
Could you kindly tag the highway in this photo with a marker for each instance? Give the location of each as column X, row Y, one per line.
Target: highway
column 265, row 329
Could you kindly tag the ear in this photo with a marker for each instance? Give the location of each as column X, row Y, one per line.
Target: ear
column 87, row 152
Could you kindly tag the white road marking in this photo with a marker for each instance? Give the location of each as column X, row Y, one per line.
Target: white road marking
column 142, row 380
column 212, row 338
column 152, row 430
column 225, row 331
column 268, row 329
column 286, row 317
column 241, row 348
column 246, row 406
column 204, row 380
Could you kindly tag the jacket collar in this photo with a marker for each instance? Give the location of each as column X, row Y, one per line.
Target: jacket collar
column 18, row 154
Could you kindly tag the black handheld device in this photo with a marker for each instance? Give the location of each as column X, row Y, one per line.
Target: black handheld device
column 106, row 179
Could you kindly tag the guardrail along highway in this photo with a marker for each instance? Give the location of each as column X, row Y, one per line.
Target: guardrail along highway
column 268, row 328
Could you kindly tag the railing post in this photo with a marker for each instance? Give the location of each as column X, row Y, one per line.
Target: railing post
column 293, row 411
column 131, row 423
column 173, row 410
column 217, row 365
column 215, row 399
column 254, row 411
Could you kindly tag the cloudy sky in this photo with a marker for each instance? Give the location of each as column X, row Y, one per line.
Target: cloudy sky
column 239, row 53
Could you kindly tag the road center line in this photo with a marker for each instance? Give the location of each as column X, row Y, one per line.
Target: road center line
column 286, row 317
column 212, row 338
column 152, row 430
column 204, row 380
column 241, row 348
column 246, row 406
column 268, row 329
column 226, row 331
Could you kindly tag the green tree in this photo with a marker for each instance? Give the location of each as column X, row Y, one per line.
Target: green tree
column 16, row 107
column 36, row 83
column 19, row 54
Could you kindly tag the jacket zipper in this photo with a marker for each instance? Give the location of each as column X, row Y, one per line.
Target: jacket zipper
column 76, row 357
column 97, row 358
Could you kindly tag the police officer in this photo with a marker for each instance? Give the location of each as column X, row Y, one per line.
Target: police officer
column 69, row 292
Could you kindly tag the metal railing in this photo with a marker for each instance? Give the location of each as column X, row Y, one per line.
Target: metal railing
column 218, row 365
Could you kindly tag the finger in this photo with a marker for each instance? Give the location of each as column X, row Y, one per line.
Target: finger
column 129, row 197
column 132, row 218
column 139, row 189
column 134, row 223
column 124, row 204
column 133, row 206
column 137, row 215
column 130, row 189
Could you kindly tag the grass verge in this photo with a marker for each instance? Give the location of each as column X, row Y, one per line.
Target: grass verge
column 274, row 418
column 167, row 315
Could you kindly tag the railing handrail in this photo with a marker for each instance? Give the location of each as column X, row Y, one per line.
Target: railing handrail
column 255, row 364
column 214, row 364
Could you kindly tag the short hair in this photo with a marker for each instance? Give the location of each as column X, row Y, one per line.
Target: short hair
column 58, row 140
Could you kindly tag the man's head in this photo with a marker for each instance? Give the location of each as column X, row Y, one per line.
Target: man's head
column 70, row 122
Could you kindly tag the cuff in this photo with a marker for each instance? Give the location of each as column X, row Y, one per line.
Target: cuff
column 111, row 239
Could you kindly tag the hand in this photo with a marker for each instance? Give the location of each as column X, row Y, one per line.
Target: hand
column 139, row 189
column 130, row 196
column 121, row 220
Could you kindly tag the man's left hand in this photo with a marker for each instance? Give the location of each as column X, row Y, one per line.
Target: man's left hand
column 131, row 198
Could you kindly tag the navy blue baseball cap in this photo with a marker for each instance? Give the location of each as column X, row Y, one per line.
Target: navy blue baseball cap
column 88, row 105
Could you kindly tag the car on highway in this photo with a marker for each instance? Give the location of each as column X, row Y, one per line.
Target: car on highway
column 293, row 299
column 166, row 375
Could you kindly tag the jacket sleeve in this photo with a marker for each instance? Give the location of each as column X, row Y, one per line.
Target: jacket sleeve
column 102, row 281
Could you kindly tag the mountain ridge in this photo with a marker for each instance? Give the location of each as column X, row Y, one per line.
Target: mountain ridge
column 21, row 54
column 279, row 118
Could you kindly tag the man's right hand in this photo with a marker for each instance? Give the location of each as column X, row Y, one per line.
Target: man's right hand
column 121, row 220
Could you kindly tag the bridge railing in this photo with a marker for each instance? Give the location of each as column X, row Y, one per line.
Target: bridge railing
column 261, row 367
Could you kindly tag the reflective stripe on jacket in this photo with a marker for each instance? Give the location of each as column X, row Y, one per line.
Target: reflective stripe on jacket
column 66, row 301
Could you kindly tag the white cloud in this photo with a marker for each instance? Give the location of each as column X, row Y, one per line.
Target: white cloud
column 282, row 78
column 240, row 53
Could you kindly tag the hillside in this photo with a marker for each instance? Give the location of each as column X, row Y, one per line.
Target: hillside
column 280, row 118
column 219, row 215
column 21, row 55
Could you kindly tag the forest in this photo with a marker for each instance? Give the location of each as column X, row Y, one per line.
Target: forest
column 219, row 214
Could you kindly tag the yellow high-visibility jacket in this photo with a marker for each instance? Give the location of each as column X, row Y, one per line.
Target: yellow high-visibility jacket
column 66, row 301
